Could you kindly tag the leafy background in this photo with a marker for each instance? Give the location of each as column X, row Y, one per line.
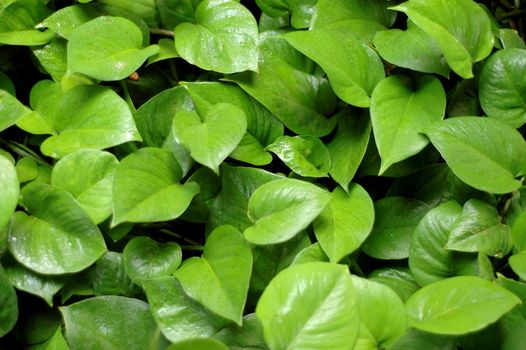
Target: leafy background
column 269, row 174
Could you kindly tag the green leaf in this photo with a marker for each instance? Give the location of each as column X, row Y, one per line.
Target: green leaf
column 12, row 110
column 345, row 222
column 510, row 39
column 518, row 264
column 204, row 343
column 18, row 20
column 179, row 316
column 93, row 189
column 429, row 261
column 280, row 209
column 56, row 342
column 108, row 322
column 412, row 48
column 109, row 276
column 353, row 68
column 66, row 20
column 463, row 142
column 9, row 302
column 144, row 179
column 458, row 305
column 305, row 155
column 333, row 11
column 400, row 112
column 10, row 190
column 53, row 58
column 312, row 253
column 6, row 84
column 501, row 90
column 143, row 9
column 395, row 221
column 219, row 279
column 166, row 51
column 415, row 339
column 107, row 48
column 382, row 314
column 59, row 237
column 210, row 137
column 478, row 229
column 146, row 258
column 353, row 134
column 89, row 117
column 310, row 306
column 247, row 337
column 398, row 279
column 226, row 34
column 210, row 185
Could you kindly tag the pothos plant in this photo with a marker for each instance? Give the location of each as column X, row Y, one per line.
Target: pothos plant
column 277, row 174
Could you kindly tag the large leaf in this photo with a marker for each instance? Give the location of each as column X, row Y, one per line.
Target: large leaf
column 199, row 343
column 59, row 237
column 219, row 279
column 9, row 188
column 345, row 222
column 353, row 68
column 9, row 302
column 224, row 37
column 178, row 315
column 310, row 306
column 144, row 179
column 461, row 28
column 400, row 112
column 66, row 20
column 395, row 221
column 107, row 48
column 463, row 142
column 211, row 136
column 501, row 88
column 109, row 322
column 332, row 11
column 459, row 305
column 93, row 189
column 398, row 279
column 247, row 337
column 89, row 117
column 280, row 209
column 109, row 276
column 18, row 20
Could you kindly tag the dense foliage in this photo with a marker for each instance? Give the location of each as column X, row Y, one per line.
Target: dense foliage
column 268, row 174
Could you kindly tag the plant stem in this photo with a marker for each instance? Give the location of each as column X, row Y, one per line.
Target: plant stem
column 193, row 247
column 164, row 32
column 176, row 235
column 127, row 97
column 24, row 151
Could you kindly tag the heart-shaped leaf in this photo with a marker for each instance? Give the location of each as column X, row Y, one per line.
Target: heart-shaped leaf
column 59, row 237
column 89, row 117
column 459, row 305
column 463, row 142
column 461, row 28
column 226, row 34
column 305, row 155
column 9, row 188
column 310, row 306
column 146, row 178
column 212, row 136
column 107, row 48
column 501, row 88
column 93, row 189
column 280, row 209
column 106, row 322
column 219, row 279
column 345, row 222
column 9, row 302
column 400, row 113
column 146, row 258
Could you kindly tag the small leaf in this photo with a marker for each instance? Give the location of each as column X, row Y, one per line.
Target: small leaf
column 219, row 279
column 226, row 34
column 463, row 142
column 10, row 190
column 501, row 90
column 107, row 48
column 9, row 302
column 518, row 264
column 146, row 258
column 280, row 209
column 144, row 179
column 109, row 322
column 345, row 222
column 458, row 305
column 310, row 306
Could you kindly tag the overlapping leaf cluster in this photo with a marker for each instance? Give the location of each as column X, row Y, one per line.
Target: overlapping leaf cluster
column 277, row 174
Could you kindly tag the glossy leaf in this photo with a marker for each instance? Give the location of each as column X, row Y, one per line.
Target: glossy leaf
column 400, row 280
column 310, row 306
column 280, row 209
column 107, row 48
column 345, row 222
column 66, row 20
column 219, row 279
column 145, row 178
column 248, row 337
column 9, row 301
column 12, row 110
column 461, row 29
column 211, row 136
column 459, row 305
column 463, row 143
column 333, row 11
column 109, row 276
column 518, row 264
column 17, row 22
column 226, row 35
column 400, row 112
column 108, row 322
column 10, row 190
column 501, row 90
column 59, row 237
